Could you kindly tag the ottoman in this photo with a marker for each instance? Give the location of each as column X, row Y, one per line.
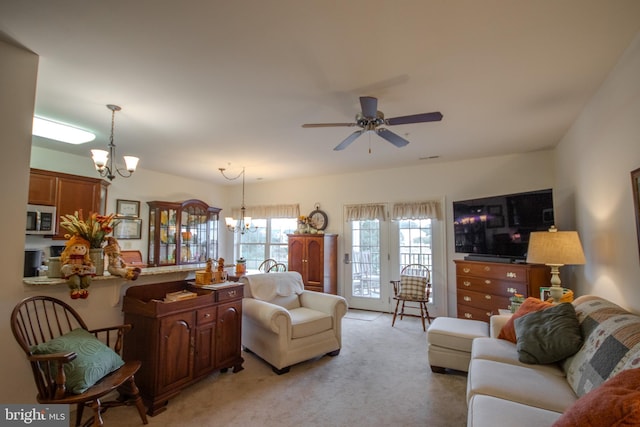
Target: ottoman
column 449, row 342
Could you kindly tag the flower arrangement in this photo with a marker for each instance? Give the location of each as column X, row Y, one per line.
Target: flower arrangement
column 94, row 229
column 303, row 220
column 516, row 302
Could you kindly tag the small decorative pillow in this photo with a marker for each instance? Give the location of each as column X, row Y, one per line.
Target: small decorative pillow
column 94, row 359
column 530, row 305
column 549, row 335
column 615, row 403
column 412, row 287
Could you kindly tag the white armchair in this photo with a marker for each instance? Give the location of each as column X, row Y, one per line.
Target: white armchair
column 284, row 324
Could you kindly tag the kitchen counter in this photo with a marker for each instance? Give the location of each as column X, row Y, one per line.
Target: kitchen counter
column 183, row 270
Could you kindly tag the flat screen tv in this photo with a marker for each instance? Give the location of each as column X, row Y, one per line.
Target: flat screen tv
column 497, row 228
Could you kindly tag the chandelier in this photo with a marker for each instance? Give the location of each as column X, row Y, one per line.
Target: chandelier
column 244, row 223
column 103, row 160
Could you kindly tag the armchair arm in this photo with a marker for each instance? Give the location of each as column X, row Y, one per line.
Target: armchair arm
column 496, row 322
column 269, row 316
column 55, row 361
column 327, row 303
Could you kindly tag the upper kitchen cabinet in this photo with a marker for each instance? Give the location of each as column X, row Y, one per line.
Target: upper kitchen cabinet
column 68, row 193
column 182, row 233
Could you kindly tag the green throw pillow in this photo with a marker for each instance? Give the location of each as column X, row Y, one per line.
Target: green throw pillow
column 549, row 335
column 94, row 360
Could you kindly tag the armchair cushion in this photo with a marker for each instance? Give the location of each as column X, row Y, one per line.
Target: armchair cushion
column 94, row 359
column 412, row 287
column 306, row 322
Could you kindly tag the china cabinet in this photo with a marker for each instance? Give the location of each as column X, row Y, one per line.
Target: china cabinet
column 314, row 256
column 182, row 232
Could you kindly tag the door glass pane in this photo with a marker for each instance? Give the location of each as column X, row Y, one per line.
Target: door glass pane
column 415, row 246
column 365, row 263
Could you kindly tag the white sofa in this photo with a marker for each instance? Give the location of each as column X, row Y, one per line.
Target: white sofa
column 284, row 324
column 503, row 391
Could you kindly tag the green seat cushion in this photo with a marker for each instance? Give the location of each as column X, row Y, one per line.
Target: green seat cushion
column 549, row 335
column 94, row 359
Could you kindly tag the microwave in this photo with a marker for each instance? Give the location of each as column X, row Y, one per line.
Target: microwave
column 41, row 219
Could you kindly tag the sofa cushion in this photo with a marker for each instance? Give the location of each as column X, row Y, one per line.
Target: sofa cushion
column 505, row 351
column 523, row 384
column 615, row 403
column 412, row 287
column 548, row 335
column 489, row 411
column 306, row 322
column 611, row 343
column 529, row 305
column 94, row 359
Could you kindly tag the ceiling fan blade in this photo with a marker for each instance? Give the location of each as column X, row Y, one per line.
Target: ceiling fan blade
column 344, row 144
column 393, row 138
column 415, row 118
column 369, row 106
column 326, row 125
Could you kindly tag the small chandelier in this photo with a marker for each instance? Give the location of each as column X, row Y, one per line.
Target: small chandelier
column 244, row 223
column 103, row 160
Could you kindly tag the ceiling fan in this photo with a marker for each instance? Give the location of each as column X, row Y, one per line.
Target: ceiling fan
column 369, row 119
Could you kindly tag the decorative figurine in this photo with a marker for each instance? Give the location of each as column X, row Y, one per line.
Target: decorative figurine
column 77, row 267
column 116, row 265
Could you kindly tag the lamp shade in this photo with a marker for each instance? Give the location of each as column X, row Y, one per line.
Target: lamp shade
column 555, row 248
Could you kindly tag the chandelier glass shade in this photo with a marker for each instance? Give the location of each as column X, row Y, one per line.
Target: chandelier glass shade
column 243, row 224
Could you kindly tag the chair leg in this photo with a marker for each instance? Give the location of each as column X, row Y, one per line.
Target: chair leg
column 135, row 395
column 395, row 313
column 79, row 411
column 402, row 311
column 424, row 328
column 426, row 310
column 97, row 413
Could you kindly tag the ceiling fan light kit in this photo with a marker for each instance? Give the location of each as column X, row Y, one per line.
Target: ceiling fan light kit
column 369, row 119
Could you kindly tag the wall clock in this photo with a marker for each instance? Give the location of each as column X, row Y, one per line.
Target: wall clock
column 319, row 219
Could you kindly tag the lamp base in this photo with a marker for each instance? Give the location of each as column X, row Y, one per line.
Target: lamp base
column 556, row 293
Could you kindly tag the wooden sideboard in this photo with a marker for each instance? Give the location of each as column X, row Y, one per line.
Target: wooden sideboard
column 482, row 288
column 181, row 342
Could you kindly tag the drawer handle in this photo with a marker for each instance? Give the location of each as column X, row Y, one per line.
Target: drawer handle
column 231, row 293
column 466, row 283
column 487, row 297
column 207, row 315
column 511, row 275
column 466, row 298
column 468, row 315
column 489, row 314
column 487, row 268
column 487, row 281
column 466, row 270
column 512, row 290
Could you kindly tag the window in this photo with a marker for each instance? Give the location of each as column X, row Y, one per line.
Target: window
column 415, row 243
column 269, row 241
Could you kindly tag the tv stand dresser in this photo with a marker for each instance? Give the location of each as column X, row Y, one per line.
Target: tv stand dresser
column 482, row 287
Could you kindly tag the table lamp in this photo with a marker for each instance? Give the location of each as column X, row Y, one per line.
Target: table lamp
column 555, row 249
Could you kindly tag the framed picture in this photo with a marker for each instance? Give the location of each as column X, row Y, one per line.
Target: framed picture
column 544, row 293
column 635, row 186
column 127, row 208
column 495, row 221
column 128, row 229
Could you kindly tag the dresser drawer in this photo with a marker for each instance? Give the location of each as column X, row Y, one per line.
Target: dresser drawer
column 492, row 286
column 511, row 272
column 485, row 301
column 229, row 293
column 206, row 315
column 468, row 312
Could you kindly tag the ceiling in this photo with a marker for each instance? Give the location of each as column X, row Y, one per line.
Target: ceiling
column 209, row 84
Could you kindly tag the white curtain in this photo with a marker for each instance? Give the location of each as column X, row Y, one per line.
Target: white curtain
column 269, row 211
column 366, row 212
column 416, row 210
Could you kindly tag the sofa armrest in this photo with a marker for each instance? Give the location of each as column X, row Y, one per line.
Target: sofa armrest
column 269, row 316
column 496, row 322
column 333, row 305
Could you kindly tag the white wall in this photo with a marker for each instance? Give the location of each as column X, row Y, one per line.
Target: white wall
column 593, row 185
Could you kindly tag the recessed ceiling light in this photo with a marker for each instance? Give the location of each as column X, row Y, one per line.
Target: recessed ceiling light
column 428, row 158
column 60, row 132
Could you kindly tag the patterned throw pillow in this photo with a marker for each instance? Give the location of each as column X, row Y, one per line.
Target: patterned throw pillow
column 94, row 359
column 412, row 287
column 611, row 343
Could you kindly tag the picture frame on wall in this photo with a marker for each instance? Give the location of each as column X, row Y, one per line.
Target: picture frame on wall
column 128, row 229
column 635, row 188
column 127, row 208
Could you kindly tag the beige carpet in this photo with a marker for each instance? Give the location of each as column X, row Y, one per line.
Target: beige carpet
column 380, row 378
